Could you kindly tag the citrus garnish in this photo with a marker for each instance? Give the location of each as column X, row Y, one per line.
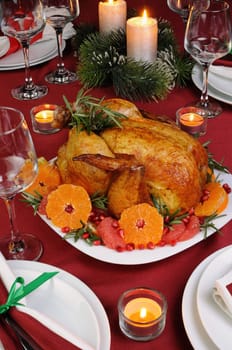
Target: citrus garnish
column 142, row 224
column 47, row 179
column 216, row 200
column 68, row 206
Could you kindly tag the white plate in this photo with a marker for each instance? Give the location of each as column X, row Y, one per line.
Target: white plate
column 67, row 300
column 137, row 257
column 192, row 323
column 212, row 91
column 216, row 323
column 220, row 83
column 39, row 52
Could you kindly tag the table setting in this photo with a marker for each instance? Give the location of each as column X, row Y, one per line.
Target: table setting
column 97, row 128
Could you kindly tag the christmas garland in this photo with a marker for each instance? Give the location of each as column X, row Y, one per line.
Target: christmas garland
column 102, row 61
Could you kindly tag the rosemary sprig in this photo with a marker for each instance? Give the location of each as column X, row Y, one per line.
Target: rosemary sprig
column 99, row 201
column 86, row 232
column 212, row 163
column 91, row 115
column 208, row 223
column 32, row 200
column 169, row 218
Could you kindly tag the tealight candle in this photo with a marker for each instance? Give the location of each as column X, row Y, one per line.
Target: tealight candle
column 112, row 15
column 142, row 313
column 42, row 118
column 192, row 120
column 142, row 37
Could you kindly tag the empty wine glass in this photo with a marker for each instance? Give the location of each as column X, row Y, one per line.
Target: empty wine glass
column 182, row 7
column 207, row 38
column 58, row 13
column 23, row 20
column 18, row 169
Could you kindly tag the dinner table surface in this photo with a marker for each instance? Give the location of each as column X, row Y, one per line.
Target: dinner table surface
column 109, row 280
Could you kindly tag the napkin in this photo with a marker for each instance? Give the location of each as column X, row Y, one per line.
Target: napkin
column 222, row 293
column 45, row 332
column 9, row 45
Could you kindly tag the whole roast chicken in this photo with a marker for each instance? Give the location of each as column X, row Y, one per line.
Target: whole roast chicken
column 140, row 161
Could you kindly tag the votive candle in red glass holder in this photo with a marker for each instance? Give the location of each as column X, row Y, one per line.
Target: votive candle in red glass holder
column 142, row 313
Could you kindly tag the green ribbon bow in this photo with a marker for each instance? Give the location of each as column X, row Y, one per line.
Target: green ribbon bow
column 17, row 293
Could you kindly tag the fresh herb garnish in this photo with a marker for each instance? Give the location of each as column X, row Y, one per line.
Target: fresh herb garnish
column 32, row 200
column 90, row 114
column 209, row 224
column 99, row 200
column 86, row 232
column 212, row 163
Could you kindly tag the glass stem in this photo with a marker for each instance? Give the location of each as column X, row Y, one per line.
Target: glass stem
column 60, row 64
column 29, row 85
column 204, row 93
column 15, row 245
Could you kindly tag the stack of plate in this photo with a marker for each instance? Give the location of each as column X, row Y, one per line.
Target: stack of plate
column 39, row 52
column 219, row 82
column 206, row 325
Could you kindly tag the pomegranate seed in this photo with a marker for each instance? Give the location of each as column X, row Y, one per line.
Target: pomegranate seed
column 130, row 247
column 186, row 220
column 97, row 242
column 161, row 243
column 85, row 235
column 201, row 220
column 166, row 219
column 150, row 245
column 102, row 217
column 227, row 188
column 140, row 223
column 65, row 229
column 204, row 198
column 173, row 242
column 69, row 208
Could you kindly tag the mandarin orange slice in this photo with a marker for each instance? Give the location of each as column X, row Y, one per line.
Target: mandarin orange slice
column 47, row 179
column 142, row 224
column 217, row 200
column 68, row 206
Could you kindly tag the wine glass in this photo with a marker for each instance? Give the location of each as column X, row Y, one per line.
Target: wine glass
column 58, row 13
column 208, row 37
column 182, row 7
column 23, row 20
column 18, row 169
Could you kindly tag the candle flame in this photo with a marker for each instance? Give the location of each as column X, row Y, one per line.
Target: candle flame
column 144, row 17
column 110, row 1
column 143, row 313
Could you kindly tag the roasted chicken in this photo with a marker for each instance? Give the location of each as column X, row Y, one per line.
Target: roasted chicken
column 132, row 163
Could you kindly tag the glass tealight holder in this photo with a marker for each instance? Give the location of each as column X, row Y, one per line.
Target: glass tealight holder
column 42, row 118
column 142, row 313
column 192, row 119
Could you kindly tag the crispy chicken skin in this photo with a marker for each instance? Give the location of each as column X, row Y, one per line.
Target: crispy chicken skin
column 164, row 162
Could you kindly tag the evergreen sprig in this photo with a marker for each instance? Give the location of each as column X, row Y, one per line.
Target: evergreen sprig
column 103, row 61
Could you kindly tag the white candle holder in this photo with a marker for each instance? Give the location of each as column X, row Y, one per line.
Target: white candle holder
column 142, row 313
column 42, row 118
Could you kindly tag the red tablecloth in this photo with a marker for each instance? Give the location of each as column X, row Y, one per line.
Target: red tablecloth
column 108, row 281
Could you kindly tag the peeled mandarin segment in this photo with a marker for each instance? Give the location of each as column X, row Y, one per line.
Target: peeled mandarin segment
column 141, row 224
column 68, row 206
column 216, row 203
column 47, row 179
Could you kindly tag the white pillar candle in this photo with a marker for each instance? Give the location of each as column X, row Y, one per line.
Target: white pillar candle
column 112, row 15
column 142, row 37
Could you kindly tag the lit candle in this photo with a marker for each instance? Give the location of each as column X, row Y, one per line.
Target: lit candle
column 192, row 120
column 142, row 313
column 42, row 118
column 142, row 37
column 112, row 15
